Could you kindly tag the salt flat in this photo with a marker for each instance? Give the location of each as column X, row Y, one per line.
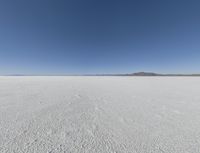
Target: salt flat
column 99, row 114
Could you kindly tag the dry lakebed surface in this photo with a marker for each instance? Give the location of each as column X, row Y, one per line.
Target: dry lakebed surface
column 99, row 114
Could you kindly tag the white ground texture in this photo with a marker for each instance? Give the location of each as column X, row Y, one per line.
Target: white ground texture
column 99, row 114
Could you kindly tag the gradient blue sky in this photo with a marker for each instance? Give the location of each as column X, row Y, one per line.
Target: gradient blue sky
column 99, row 36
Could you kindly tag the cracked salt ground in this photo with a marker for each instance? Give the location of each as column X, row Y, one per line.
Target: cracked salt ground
column 99, row 114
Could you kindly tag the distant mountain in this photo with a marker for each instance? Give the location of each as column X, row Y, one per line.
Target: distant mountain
column 15, row 75
column 145, row 74
column 128, row 74
column 158, row 74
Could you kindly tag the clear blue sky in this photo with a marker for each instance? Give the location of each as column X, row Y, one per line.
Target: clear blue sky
column 99, row 36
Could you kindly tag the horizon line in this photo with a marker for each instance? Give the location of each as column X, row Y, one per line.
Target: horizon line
column 142, row 73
